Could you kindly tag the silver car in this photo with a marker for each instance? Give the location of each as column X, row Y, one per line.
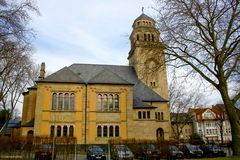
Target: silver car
column 121, row 152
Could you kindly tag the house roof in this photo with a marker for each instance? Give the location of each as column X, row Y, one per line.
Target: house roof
column 14, row 123
column 199, row 110
column 107, row 74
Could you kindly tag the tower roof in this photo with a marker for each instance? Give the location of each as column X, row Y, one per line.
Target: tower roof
column 144, row 17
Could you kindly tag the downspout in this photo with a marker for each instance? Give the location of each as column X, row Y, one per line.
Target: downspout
column 85, row 112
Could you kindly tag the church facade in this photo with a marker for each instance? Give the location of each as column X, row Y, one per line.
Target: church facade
column 95, row 103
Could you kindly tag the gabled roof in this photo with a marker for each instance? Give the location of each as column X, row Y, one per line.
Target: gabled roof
column 108, row 77
column 89, row 71
column 63, row 75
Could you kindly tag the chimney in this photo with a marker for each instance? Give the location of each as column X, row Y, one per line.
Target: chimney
column 42, row 72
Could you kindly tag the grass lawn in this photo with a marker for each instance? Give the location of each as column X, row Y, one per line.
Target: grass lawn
column 221, row 158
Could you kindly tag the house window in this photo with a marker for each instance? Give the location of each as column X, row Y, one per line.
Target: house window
column 72, row 102
column 116, row 102
column 144, row 115
column 148, row 114
column 60, row 101
column 58, row 131
column 139, row 115
column 107, row 102
column 105, row 131
column 99, row 131
column 65, row 130
column 159, row 116
column 162, row 117
column 52, row 129
column 54, row 101
column 71, row 131
column 99, row 102
column 110, row 102
column 66, row 101
column 105, row 108
column 116, row 131
column 111, row 131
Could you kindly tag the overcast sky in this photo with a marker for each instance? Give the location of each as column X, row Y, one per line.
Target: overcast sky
column 92, row 31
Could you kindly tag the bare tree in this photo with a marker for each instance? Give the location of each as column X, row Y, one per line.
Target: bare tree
column 15, row 51
column 203, row 37
column 181, row 100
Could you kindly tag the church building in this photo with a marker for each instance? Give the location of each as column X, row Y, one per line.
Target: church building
column 95, row 103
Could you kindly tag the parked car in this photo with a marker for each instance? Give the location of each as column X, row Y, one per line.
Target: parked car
column 213, row 150
column 95, row 152
column 44, row 151
column 190, row 150
column 174, row 153
column 121, row 152
column 149, row 151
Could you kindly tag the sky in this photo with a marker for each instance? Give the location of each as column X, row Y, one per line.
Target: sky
column 90, row 32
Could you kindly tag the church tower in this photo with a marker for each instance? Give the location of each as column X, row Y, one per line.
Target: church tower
column 147, row 55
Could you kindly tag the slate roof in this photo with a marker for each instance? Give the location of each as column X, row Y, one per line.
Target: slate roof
column 107, row 74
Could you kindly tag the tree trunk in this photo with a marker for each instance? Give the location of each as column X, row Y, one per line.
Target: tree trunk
column 233, row 117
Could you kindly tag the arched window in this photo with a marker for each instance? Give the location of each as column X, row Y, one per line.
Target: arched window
column 99, row 131
column 58, row 131
column 65, row 130
column 54, row 101
column 72, row 97
column 158, row 115
column 116, row 102
column 71, row 131
column 116, row 131
column 153, row 38
column 111, row 131
column 110, row 102
column 52, row 129
column 60, row 101
column 137, row 37
column 145, row 37
column 148, row 37
column 105, row 131
column 99, row 102
column 66, row 101
column 105, row 107
column 139, row 115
